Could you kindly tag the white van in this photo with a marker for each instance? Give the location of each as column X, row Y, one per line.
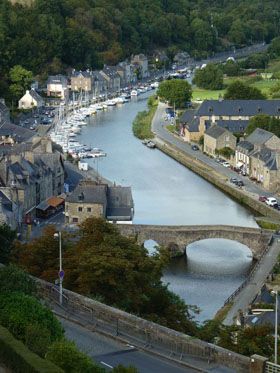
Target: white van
column 271, row 201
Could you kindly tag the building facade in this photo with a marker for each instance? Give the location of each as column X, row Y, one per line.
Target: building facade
column 217, row 138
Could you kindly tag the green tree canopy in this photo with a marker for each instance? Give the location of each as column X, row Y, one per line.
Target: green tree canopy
column 101, row 263
column 175, row 91
column 265, row 122
column 209, row 77
column 66, row 355
column 13, row 279
column 241, row 91
column 7, row 237
column 20, row 81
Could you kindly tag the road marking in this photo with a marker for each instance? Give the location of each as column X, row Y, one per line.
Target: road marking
column 107, row 365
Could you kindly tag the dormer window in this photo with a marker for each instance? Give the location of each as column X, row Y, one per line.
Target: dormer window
column 239, row 109
column 210, row 109
column 259, row 109
column 81, row 197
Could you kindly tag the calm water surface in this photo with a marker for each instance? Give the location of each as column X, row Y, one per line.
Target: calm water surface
column 165, row 192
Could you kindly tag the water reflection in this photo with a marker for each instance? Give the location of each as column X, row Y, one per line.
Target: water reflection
column 212, row 270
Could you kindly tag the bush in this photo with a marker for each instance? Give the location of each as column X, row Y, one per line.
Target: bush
column 66, row 355
column 17, row 357
column 210, row 77
column 18, row 311
column 13, row 279
column 37, row 339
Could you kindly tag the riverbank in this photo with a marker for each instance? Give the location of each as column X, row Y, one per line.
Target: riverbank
column 142, row 123
column 208, row 169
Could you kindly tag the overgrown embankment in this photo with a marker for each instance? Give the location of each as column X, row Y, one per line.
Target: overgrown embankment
column 142, row 123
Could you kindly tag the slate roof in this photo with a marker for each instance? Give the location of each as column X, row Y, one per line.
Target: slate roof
column 239, row 107
column 215, row 131
column 187, row 116
column 57, row 79
column 245, row 145
column 259, row 136
column 88, row 192
column 20, row 134
column 36, row 96
column 268, row 157
column 234, row 126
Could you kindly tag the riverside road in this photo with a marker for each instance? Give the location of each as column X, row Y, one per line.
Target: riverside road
column 159, row 128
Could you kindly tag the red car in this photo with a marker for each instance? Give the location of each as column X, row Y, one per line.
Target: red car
column 262, row 198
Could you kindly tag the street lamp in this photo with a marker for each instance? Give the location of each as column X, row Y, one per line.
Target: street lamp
column 61, row 272
column 276, row 326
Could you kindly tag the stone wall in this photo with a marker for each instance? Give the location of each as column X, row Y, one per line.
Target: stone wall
column 142, row 333
column 218, row 180
column 176, row 238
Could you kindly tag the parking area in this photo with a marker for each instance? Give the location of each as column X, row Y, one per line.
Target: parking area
column 38, row 116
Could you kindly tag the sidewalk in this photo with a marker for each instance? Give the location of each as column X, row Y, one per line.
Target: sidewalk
column 248, row 293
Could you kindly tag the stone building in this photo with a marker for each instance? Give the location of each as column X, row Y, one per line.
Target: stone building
column 140, row 63
column 233, row 115
column 90, row 199
column 259, row 157
column 217, row 138
column 82, row 81
column 113, row 78
column 31, row 173
column 57, row 86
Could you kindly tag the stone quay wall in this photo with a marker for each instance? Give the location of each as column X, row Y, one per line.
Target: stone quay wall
column 216, row 179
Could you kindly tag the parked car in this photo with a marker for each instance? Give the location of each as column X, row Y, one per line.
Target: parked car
column 276, row 206
column 226, row 164
column 271, row 201
column 262, row 198
column 240, row 183
column 195, row 147
column 233, row 180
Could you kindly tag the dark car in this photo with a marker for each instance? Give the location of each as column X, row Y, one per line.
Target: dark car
column 233, row 180
column 276, row 206
column 262, row 198
column 240, row 183
column 195, row 147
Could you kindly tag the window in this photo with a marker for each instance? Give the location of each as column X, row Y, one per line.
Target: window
column 75, row 220
column 89, row 209
column 80, row 209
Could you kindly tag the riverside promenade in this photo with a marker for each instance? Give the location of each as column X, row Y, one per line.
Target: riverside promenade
column 208, row 168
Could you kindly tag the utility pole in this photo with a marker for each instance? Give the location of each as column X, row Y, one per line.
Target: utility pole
column 61, row 272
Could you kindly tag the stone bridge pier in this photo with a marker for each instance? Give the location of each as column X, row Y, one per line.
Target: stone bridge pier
column 176, row 238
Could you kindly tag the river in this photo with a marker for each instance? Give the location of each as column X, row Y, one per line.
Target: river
column 166, row 192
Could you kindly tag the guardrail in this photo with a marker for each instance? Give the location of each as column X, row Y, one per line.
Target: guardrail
column 250, row 275
column 142, row 333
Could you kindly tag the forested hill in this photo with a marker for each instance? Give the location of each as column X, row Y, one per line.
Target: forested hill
column 81, row 33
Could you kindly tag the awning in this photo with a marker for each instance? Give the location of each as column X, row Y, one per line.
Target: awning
column 55, row 201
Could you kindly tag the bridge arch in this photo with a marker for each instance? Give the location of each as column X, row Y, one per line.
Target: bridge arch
column 180, row 236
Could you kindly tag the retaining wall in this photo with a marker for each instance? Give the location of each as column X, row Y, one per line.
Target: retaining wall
column 216, row 179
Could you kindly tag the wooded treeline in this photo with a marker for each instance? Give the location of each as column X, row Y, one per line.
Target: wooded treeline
column 87, row 33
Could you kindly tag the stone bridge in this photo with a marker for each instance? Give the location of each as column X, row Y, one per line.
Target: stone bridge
column 176, row 238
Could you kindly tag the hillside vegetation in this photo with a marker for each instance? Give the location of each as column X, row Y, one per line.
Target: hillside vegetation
column 49, row 34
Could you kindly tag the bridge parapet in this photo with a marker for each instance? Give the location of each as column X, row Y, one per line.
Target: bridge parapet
column 176, row 238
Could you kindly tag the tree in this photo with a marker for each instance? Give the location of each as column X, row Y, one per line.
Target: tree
column 265, row 122
column 274, row 48
column 101, row 263
column 231, row 68
column 66, row 355
column 241, row 91
column 175, row 91
column 209, row 77
column 20, row 81
column 7, row 237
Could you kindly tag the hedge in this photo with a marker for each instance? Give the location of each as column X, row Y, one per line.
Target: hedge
column 17, row 357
